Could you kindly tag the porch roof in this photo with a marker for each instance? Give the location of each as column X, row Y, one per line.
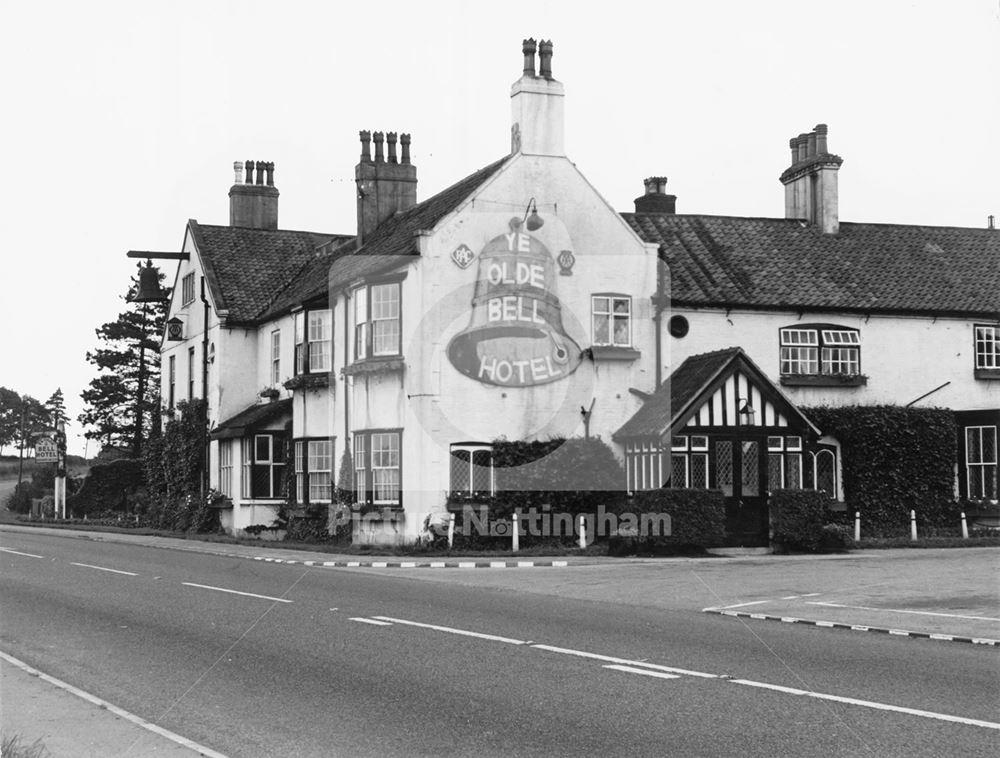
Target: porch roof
column 252, row 418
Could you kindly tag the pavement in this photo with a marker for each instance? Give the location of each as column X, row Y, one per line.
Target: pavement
column 950, row 595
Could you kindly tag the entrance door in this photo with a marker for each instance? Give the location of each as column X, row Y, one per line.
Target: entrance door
column 739, row 473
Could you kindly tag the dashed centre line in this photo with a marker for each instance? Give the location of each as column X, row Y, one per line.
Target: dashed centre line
column 18, row 552
column 103, row 568
column 451, row 630
column 373, row 622
column 236, row 592
column 644, row 672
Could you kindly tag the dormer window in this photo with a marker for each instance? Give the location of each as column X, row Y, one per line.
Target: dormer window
column 820, row 351
column 313, row 346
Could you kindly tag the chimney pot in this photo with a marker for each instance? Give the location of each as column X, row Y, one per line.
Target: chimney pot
column 821, row 130
column 249, row 173
column 656, row 199
column 404, row 144
column 803, row 146
column 260, row 173
column 238, row 170
column 528, row 47
column 811, row 145
column 545, row 59
column 366, row 139
column 269, row 166
column 379, row 138
column 391, row 138
column 253, row 205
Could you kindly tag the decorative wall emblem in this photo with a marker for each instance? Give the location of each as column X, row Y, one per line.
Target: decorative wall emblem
column 566, row 260
column 515, row 336
column 463, row 256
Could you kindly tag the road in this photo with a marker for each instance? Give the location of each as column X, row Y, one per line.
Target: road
column 264, row 659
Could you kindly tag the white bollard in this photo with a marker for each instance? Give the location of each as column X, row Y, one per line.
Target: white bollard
column 515, row 538
column 965, row 527
column 857, row 526
column 913, row 525
column 451, row 530
column 583, row 533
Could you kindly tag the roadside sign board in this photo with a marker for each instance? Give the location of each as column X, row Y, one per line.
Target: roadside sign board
column 46, row 450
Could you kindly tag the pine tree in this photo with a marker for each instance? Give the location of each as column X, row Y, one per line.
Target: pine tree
column 123, row 399
column 55, row 406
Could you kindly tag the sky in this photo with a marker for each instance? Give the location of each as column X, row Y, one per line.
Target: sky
column 122, row 120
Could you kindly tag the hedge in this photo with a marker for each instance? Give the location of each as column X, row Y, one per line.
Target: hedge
column 894, row 459
column 108, row 486
column 697, row 519
column 798, row 518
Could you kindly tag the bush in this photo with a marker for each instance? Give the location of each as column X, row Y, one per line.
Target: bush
column 798, row 518
column 697, row 520
column 894, row 459
column 108, row 486
column 41, row 484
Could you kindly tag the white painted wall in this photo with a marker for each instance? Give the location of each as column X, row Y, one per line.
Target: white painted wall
column 903, row 357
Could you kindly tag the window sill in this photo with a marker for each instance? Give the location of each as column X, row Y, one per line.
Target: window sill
column 308, row 381
column 611, row 353
column 824, row 380
column 388, row 365
column 987, row 373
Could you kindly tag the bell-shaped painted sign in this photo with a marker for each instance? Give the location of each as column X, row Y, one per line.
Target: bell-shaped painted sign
column 515, row 337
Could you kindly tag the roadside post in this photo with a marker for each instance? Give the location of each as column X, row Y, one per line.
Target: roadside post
column 451, row 530
column 60, row 480
column 583, row 533
column 515, row 538
column 965, row 527
column 857, row 526
column 913, row 525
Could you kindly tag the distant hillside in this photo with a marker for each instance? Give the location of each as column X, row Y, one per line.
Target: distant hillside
column 76, row 465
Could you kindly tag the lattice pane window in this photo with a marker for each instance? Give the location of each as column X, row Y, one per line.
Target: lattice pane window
column 699, row 443
column 724, row 466
column 826, row 473
column 988, row 347
column 679, row 443
column 482, row 472
column 678, row 471
column 750, row 470
column 775, row 471
column 699, row 470
column 793, row 471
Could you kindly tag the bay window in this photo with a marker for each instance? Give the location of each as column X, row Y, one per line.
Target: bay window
column 377, row 465
column 263, row 466
column 313, row 331
column 377, row 310
column 314, row 471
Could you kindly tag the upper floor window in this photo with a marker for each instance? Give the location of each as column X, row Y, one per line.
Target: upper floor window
column 313, row 346
column 190, row 373
column 377, row 320
column 187, row 289
column 275, row 356
column 820, row 350
column 612, row 320
column 987, row 347
column 472, row 469
column 171, row 381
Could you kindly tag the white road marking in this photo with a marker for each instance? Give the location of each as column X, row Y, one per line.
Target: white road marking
column 644, row 672
column 373, row 622
column 624, row 661
column 408, row 564
column 498, row 564
column 438, row 564
column 738, row 605
column 466, row 564
column 451, row 630
column 102, row 568
column 18, row 552
column 900, row 610
column 870, row 704
column 560, row 564
column 137, row 720
column 236, row 592
column 379, row 564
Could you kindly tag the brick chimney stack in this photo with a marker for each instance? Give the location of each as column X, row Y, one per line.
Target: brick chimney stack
column 537, row 104
column 811, row 181
column 253, row 205
column 385, row 187
column 656, row 199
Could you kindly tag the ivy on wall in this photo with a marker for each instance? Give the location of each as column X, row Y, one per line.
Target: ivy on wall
column 895, row 459
column 174, row 463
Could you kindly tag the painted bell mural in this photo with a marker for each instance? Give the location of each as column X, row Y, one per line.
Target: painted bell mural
column 515, row 337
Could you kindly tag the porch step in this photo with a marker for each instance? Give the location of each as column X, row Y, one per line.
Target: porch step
column 736, row 551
